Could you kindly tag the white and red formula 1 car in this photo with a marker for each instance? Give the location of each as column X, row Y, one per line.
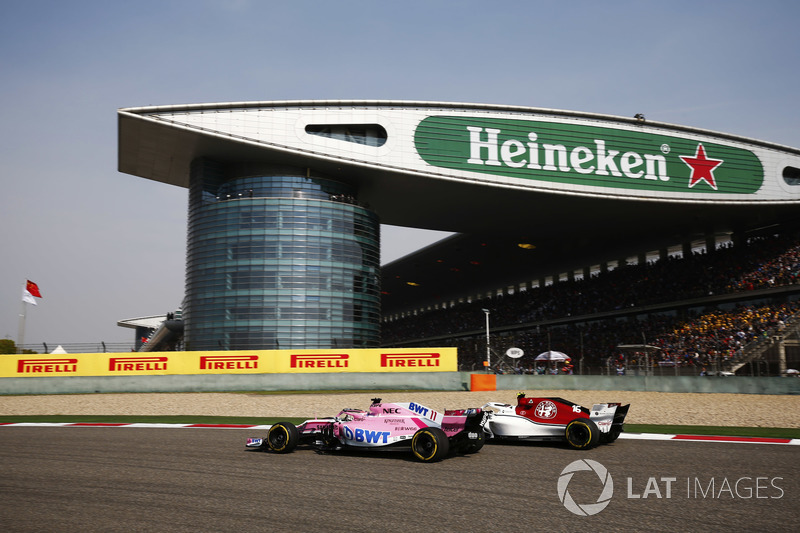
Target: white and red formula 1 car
column 429, row 434
column 555, row 419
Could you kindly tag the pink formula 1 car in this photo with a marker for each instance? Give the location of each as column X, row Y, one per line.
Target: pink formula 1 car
column 555, row 419
column 431, row 435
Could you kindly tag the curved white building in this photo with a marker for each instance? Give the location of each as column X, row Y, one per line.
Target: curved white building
column 286, row 198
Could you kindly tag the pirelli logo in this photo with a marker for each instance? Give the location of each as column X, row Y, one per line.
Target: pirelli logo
column 136, row 364
column 410, row 360
column 228, row 362
column 47, row 366
column 319, row 360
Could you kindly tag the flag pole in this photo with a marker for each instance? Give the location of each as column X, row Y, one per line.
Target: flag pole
column 21, row 331
column 30, row 291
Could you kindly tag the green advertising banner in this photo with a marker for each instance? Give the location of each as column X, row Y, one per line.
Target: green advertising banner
column 593, row 156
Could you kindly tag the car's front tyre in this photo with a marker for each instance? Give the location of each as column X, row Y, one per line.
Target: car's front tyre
column 282, row 437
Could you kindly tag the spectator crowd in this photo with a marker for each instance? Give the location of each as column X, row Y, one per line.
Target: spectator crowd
column 694, row 338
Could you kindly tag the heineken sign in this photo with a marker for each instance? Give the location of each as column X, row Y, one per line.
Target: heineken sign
column 584, row 155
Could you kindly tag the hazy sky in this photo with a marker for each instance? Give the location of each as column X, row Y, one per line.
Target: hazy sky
column 105, row 246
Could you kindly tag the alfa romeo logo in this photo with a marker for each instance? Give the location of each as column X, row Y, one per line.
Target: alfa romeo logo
column 585, row 509
column 546, row 409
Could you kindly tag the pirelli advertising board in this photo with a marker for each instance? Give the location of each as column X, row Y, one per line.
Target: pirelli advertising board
column 232, row 362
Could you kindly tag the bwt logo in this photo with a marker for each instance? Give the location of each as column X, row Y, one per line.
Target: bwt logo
column 320, row 360
column 366, row 435
column 47, row 366
column 228, row 362
column 132, row 364
column 419, row 409
column 409, row 360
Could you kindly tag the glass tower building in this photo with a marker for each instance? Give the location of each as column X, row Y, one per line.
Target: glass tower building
column 278, row 258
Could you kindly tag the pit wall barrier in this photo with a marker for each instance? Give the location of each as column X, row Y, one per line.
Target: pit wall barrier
column 677, row 384
column 433, row 381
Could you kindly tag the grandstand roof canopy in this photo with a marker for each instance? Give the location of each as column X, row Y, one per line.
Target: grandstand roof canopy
column 417, row 175
column 151, row 322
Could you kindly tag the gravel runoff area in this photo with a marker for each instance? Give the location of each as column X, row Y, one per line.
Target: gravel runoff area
column 749, row 410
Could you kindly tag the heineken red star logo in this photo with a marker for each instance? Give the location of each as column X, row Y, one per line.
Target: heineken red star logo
column 702, row 167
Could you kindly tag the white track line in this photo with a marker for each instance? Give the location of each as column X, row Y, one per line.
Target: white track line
column 630, row 436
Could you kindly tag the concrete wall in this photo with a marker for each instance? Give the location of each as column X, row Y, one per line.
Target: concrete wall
column 452, row 381
column 731, row 385
column 234, row 382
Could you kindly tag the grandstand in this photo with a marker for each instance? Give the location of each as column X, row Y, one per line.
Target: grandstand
column 730, row 309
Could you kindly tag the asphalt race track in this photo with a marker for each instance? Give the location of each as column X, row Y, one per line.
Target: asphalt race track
column 196, row 480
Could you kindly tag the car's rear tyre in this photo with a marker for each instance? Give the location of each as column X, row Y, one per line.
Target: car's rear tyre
column 474, row 445
column 430, row 445
column 582, row 434
column 282, row 437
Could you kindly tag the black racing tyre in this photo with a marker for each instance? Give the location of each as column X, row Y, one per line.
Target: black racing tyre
column 430, row 444
column 474, row 445
column 282, row 437
column 582, row 434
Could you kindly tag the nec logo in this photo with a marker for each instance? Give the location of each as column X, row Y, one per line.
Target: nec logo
column 47, row 366
column 131, row 364
column 319, row 360
column 228, row 362
column 409, row 360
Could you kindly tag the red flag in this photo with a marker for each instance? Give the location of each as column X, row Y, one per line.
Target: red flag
column 33, row 288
